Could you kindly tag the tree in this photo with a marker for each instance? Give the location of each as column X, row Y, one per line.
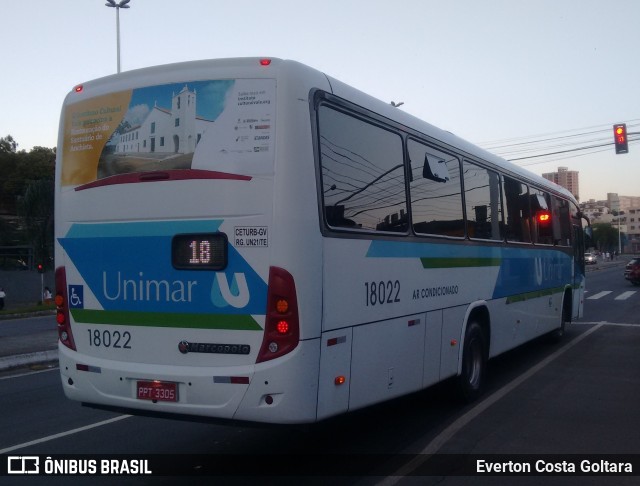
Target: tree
column 35, row 209
column 8, row 145
column 8, row 167
column 605, row 236
column 26, row 197
column 18, row 169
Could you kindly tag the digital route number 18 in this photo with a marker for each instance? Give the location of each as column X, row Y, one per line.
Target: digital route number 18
column 200, row 252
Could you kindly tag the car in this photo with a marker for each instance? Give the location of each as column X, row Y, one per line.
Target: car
column 590, row 258
column 632, row 271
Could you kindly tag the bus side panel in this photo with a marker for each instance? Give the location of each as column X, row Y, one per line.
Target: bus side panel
column 432, row 348
column 335, row 363
column 578, row 296
column 387, row 360
column 578, row 300
column 452, row 338
column 550, row 312
column 502, row 328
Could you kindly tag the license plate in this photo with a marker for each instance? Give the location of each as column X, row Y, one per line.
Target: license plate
column 161, row 391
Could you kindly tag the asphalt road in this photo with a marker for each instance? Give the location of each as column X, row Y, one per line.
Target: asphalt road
column 575, row 398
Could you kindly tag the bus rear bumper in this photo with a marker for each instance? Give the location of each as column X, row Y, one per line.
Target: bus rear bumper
column 279, row 391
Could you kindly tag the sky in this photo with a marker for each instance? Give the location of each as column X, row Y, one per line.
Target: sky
column 520, row 78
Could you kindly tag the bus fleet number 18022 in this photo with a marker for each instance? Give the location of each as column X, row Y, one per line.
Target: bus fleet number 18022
column 382, row 292
column 109, row 339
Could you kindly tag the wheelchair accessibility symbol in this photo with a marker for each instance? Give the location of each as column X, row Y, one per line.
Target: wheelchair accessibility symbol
column 76, row 297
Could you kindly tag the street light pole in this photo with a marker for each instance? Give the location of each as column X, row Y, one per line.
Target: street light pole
column 619, row 238
column 118, row 6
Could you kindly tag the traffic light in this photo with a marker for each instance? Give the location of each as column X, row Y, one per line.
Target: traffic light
column 620, row 138
column 40, row 268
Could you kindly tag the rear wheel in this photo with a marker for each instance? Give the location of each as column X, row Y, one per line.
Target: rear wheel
column 474, row 363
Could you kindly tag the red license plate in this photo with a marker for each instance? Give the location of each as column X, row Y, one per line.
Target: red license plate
column 161, row 391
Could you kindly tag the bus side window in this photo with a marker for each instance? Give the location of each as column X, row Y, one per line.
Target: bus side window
column 482, row 200
column 560, row 222
column 362, row 168
column 516, row 201
column 541, row 217
column 436, row 196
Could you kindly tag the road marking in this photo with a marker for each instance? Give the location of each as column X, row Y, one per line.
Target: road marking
column 599, row 295
column 64, row 434
column 626, row 295
column 605, row 323
column 436, row 444
column 28, row 373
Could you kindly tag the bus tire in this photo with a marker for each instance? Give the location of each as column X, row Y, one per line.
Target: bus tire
column 474, row 363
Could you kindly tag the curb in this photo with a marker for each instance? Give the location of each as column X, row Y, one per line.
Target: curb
column 18, row 360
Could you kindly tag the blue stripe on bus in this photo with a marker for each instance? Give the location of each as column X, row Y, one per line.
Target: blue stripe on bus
column 127, row 267
column 149, row 228
column 522, row 270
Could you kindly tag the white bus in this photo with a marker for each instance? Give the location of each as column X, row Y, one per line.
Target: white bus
column 251, row 239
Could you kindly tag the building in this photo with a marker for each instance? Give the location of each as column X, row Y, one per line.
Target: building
column 622, row 203
column 622, row 212
column 177, row 130
column 569, row 179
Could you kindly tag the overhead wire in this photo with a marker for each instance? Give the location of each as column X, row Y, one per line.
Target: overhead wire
column 555, row 146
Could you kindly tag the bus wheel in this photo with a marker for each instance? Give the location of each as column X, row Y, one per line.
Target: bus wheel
column 474, row 363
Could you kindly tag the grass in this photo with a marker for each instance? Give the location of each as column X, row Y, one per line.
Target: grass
column 27, row 309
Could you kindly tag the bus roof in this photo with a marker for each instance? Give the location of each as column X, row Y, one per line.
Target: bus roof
column 275, row 67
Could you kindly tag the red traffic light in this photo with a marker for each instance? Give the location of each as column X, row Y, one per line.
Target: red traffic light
column 620, row 138
column 40, row 268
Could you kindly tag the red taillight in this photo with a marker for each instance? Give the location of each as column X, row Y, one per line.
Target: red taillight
column 544, row 217
column 282, row 328
column 78, row 89
column 62, row 309
column 265, row 62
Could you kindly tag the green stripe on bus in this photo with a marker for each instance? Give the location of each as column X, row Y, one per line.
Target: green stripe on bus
column 534, row 295
column 161, row 319
column 459, row 262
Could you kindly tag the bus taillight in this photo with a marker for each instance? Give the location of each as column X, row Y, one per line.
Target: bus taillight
column 544, row 216
column 282, row 328
column 62, row 309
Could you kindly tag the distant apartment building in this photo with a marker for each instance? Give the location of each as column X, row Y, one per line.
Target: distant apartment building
column 617, row 210
column 622, row 203
column 632, row 218
column 569, row 179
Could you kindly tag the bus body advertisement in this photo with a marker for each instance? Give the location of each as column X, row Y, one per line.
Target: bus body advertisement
column 251, row 239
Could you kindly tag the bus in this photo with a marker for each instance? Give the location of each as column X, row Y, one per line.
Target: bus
column 253, row 240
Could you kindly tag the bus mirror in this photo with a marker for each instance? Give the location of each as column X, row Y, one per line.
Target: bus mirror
column 435, row 169
column 539, row 202
column 588, row 232
column 588, row 237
